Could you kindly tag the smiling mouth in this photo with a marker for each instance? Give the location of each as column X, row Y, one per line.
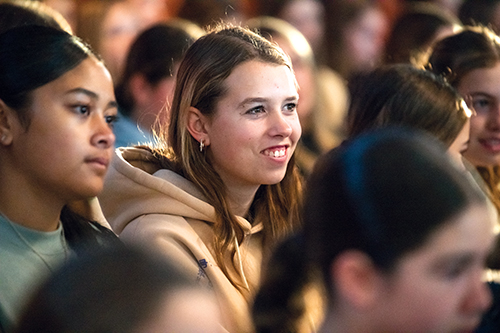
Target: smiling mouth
column 493, row 144
column 275, row 152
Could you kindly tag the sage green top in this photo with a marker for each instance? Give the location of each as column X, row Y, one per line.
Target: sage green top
column 27, row 257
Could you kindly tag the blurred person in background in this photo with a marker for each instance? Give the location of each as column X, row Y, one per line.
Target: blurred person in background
column 111, row 26
column 481, row 12
column 305, row 15
column 355, row 34
column 145, row 90
column 416, row 30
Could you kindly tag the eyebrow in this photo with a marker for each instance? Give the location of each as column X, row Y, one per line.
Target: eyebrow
column 262, row 100
column 92, row 95
column 463, row 259
column 481, row 93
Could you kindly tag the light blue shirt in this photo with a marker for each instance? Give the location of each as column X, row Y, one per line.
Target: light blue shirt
column 128, row 133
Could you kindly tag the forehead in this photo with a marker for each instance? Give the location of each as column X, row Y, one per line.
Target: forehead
column 470, row 232
column 90, row 74
column 485, row 80
column 259, row 79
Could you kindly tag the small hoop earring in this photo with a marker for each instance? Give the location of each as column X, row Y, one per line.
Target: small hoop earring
column 201, row 145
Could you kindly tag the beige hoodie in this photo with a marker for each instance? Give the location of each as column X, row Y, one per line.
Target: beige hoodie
column 157, row 207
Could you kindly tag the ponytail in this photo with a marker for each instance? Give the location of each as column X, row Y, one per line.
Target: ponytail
column 283, row 303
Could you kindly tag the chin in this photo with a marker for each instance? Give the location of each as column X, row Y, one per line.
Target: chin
column 273, row 180
column 90, row 191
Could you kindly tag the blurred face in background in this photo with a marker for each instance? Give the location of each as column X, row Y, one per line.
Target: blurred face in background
column 482, row 88
column 364, row 38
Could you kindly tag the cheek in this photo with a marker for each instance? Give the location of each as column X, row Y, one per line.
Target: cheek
column 423, row 308
column 477, row 125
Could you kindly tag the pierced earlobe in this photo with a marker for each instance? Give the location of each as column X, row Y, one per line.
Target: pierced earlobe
column 4, row 139
column 201, row 146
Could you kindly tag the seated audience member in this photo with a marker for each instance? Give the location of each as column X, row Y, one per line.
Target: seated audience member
column 354, row 36
column 404, row 95
column 415, row 31
column 470, row 61
column 221, row 187
column 147, row 85
column 307, row 16
column 483, row 12
column 120, row 290
column 393, row 233
column 57, row 107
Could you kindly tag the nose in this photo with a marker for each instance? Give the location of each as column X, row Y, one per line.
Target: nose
column 103, row 136
column 280, row 125
column 478, row 298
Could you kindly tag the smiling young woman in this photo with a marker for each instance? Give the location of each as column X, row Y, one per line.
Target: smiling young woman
column 56, row 109
column 222, row 186
column 470, row 60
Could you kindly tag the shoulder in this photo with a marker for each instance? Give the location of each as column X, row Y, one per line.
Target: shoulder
column 165, row 227
column 172, row 236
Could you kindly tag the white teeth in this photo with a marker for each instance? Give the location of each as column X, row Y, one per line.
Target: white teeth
column 276, row 153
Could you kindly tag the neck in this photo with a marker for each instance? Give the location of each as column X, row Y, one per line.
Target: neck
column 27, row 204
column 240, row 199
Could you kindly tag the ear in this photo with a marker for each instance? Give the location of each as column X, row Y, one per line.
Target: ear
column 356, row 279
column 197, row 125
column 7, row 120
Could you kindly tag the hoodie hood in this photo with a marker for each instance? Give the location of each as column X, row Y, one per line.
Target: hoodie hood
column 136, row 185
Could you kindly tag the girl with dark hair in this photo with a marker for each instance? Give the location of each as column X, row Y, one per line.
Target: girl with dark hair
column 404, row 95
column 222, row 187
column 415, row 31
column 56, row 109
column 120, row 289
column 394, row 234
column 145, row 90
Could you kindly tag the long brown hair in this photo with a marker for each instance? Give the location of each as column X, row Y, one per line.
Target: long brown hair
column 200, row 83
column 455, row 56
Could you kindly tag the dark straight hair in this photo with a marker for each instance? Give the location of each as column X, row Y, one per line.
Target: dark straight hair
column 384, row 193
column 30, row 57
